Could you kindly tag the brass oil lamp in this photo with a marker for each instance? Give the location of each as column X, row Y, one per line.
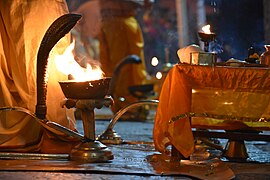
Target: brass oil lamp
column 85, row 96
column 206, row 36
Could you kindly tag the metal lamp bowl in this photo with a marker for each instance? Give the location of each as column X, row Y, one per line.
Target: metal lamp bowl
column 96, row 89
column 207, row 37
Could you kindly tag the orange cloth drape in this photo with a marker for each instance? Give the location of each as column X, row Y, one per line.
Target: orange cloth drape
column 171, row 104
column 241, row 93
column 22, row 27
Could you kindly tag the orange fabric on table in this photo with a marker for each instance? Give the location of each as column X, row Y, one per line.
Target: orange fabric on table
column 225, row 91
column 170, row 105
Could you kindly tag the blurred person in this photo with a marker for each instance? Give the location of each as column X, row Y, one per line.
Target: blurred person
column 22, row 27
column 121, row 36
column 86, row 32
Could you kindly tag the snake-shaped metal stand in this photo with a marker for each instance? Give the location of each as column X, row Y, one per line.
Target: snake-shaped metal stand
column 88, row 150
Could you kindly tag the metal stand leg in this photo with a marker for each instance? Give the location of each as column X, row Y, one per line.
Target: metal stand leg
column 91, row 150
column 236, row 150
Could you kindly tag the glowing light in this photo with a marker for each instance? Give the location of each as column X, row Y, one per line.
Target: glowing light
column 66, row 64
column 193, row 91
column 228, row 103
column 206, row 29
column 154, row 61
column 158, row 75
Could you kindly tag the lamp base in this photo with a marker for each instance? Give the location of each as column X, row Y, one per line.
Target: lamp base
column 91, row 152
column 110, row 137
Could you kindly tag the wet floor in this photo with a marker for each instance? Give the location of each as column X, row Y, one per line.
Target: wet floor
column 138, row 159
column 256, row 166
column 259, row 151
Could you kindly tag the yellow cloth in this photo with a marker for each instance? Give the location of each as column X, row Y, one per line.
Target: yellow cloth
column 22, row 27
column 239, row 96
column 121, row 36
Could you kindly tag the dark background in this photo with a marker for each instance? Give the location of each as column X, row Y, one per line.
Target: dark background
column 237, row 23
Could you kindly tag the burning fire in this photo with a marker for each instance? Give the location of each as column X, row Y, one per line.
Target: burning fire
column 154, row 61
column 206, row 29
column 69, row 66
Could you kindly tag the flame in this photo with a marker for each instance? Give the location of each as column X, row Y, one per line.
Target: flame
column 158, row 75
column 154, row 61
column 66, row 64
column 206, row 29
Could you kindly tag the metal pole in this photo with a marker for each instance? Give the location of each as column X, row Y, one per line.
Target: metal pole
column 182, row 25
column 201, row 17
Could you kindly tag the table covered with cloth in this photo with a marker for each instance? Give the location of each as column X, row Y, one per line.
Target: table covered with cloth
column 216, row 97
